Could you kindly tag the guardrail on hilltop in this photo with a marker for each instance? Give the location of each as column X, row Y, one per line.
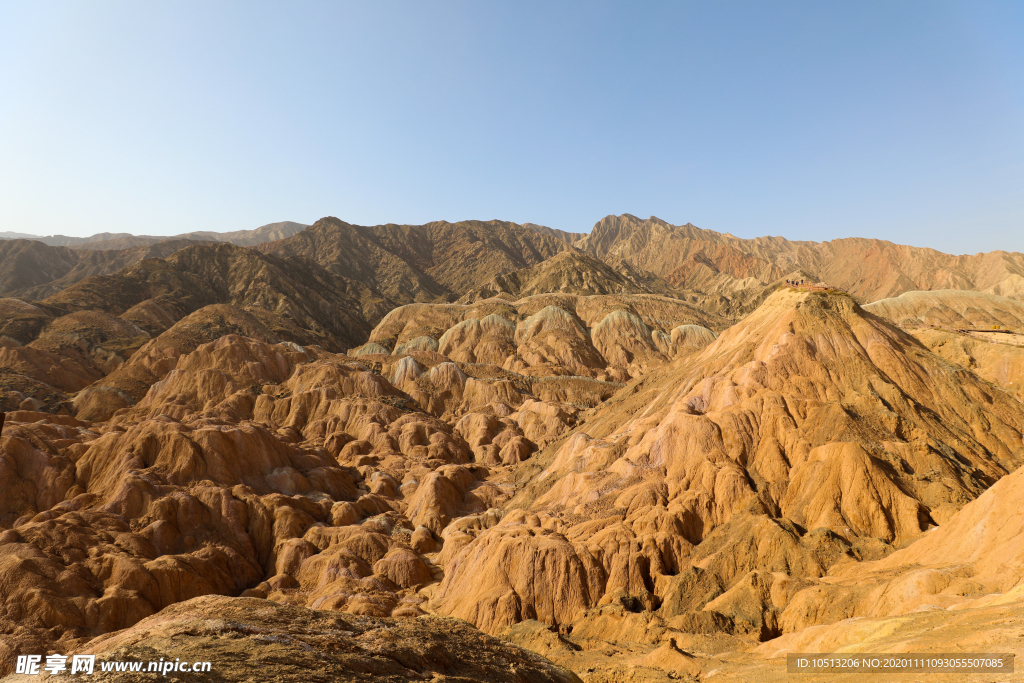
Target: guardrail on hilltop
column 815, row 286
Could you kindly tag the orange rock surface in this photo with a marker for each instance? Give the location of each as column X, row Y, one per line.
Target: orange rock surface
column 635, row 453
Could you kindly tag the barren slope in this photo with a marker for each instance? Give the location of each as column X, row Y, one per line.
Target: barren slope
column 568, row 237
column 808, row 433
column 576, row 456
column 286, row 300
column 950, row 309
column 957, row 589
column 611, row 336
column 990, row 337
column 37, row 267
column 712, row 262
column 27, row 263
column 31, row 270
column 573, row 272
column 410, row 263
column 123, row 240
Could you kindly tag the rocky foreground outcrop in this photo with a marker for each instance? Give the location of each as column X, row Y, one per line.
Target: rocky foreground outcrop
column 247, row 639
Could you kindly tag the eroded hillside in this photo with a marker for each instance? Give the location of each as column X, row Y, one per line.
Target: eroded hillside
column 704, row 260
column 339, row 441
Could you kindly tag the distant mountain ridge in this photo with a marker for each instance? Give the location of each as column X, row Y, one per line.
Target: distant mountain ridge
column 409, row 263
column 122, row 240
column 442, row 260
column 570, row 237
column 693, row 258
column 577, row 272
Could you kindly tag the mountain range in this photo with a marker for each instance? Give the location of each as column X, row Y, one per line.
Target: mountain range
column 643, row 453
column 122, row 240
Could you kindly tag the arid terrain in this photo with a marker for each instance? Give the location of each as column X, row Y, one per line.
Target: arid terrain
column 485, row 451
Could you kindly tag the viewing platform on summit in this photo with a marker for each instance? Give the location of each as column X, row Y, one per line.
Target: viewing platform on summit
column 813, row 286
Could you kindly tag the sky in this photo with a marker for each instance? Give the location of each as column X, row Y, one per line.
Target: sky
column 810, row 120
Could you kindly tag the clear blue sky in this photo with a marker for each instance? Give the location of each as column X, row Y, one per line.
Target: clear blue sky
column 811, row 120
